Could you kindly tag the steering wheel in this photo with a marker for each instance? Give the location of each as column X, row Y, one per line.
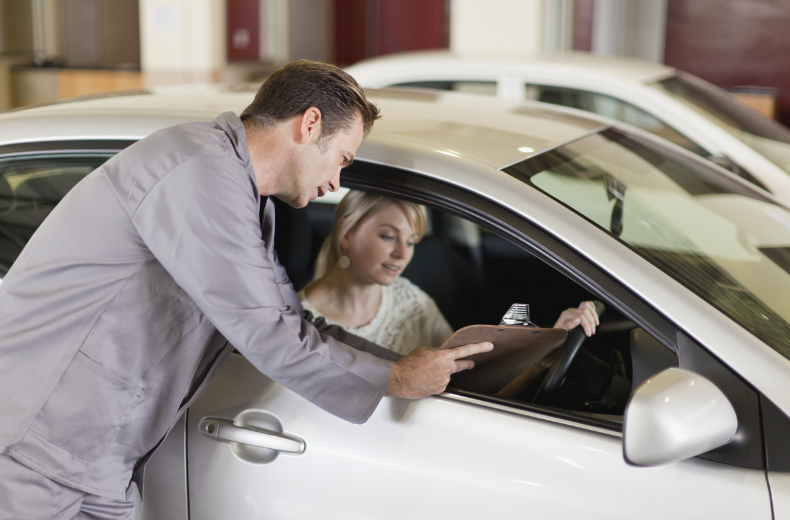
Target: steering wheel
column 551, row 383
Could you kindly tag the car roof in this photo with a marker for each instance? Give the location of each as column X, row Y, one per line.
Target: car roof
column 494, row 132
column 450, row 64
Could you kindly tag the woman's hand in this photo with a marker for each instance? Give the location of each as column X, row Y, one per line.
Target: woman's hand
column 584, row 314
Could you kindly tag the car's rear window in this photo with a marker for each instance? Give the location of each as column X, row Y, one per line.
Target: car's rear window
column 723, row 241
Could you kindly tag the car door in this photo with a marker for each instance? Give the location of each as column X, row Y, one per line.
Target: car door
column 464, row 454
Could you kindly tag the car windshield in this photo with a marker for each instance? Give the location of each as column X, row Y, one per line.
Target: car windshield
column 767, row 137
column 708, row 231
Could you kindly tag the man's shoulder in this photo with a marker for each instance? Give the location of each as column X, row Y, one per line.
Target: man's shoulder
column 194, row 152
column 182, row 142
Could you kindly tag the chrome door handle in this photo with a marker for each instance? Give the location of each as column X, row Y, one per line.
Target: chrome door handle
column 225, row 430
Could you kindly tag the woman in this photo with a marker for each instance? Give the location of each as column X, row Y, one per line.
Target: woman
column 358, row 286
column 357, row 280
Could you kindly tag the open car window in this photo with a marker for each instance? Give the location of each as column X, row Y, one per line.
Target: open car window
column 475, row 273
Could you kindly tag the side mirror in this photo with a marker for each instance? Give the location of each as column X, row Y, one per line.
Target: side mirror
column 674, row 415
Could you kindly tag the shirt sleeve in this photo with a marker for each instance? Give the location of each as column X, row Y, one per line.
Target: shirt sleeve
column 201, row 222
column 286, row 287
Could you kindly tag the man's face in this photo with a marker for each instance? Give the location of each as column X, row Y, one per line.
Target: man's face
column 316, row 169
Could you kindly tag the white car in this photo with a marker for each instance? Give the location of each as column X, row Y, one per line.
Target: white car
column 677, row 408
column 672, row 104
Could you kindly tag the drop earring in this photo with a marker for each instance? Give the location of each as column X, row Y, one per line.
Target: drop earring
column 344, row 261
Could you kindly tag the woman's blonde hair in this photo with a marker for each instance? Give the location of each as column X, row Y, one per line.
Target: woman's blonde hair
column 350, row 213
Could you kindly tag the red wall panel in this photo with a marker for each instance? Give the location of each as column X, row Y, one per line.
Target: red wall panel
column 349, row 31
column 243, row 30
column 583, row 25
column 367, row 28
column 410, row 25
column 733, row 43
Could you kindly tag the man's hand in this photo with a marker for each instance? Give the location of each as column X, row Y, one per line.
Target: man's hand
column 426, row 371
column 584, row 314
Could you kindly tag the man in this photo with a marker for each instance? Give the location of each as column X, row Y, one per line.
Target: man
column 114, row 317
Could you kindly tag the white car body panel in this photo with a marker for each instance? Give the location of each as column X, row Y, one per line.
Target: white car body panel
column 413, row 458
column 621, row 78
column 780, row 494
column 439, row 458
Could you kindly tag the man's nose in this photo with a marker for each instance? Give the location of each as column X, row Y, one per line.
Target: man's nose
column 334, row 183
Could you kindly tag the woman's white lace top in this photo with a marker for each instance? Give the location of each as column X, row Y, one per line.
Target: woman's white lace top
column 407, row 318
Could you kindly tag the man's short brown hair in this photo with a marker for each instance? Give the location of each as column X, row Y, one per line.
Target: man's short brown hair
column 294, row 88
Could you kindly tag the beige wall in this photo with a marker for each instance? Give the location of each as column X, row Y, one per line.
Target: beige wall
column 508, row 26
column 182, row 41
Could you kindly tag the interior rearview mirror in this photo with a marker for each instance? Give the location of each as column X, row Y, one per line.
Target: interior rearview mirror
column 674, row 415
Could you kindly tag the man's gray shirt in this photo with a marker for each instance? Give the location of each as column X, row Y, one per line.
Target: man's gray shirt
column 112, row 310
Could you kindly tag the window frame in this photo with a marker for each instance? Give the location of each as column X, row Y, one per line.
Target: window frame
column 507, row 224
column 514, row 228
column 76, row 146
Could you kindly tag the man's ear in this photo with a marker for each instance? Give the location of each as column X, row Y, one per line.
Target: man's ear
column 310, row 126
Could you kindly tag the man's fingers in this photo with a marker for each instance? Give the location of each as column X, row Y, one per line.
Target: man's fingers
column 468, row 350
column 463, row 364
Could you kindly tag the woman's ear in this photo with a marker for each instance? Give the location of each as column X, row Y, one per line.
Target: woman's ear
column 345, row 242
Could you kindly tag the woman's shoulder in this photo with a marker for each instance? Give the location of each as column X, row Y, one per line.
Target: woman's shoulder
column 306, row 305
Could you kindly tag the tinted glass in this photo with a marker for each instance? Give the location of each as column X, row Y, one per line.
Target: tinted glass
column 487, row 88
column 613, row 108
column 767, row 137
column 716, row 237
column 29, row 189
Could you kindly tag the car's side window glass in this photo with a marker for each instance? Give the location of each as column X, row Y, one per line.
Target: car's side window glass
column 613, row 108
column 487, row 88
column 482, row 273
column 30, row 187
column 474, row 275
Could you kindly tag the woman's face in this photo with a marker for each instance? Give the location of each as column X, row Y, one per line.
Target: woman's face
column 381, row 247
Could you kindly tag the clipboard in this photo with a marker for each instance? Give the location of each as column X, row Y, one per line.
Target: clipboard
column 516, row 348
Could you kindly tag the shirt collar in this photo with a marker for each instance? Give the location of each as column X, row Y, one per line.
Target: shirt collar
column 234, row 128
